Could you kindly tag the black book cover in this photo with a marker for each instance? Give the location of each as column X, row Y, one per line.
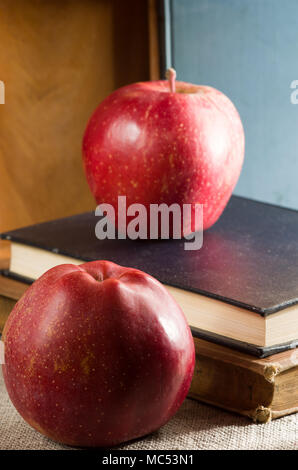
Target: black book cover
column 249, row 257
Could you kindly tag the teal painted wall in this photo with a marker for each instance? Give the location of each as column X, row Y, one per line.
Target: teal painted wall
column 249, row 50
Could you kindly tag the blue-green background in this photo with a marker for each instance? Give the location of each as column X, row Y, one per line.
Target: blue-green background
column 249, row 50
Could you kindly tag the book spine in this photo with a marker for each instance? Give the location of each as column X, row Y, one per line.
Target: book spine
column 234, row 388
column 6, row 306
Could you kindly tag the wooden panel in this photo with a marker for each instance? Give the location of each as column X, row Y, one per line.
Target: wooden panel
column 4, row 254
column 58, row 60
column 130, row 41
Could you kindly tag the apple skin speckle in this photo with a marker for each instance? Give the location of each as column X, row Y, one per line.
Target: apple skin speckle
column 91, row 363
column 185, row 147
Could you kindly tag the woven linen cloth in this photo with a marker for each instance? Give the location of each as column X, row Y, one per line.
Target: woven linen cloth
column 195, row 426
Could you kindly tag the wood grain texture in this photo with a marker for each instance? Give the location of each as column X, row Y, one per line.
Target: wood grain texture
column 130, row 41
column 4, row 254
column 58, row 60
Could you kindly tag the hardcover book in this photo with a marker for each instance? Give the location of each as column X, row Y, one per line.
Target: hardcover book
column 239, row 290
column 262, row 389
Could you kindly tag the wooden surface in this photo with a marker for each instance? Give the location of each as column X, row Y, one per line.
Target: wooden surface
column 154, row 46
column 58, row 60
column 4, row 254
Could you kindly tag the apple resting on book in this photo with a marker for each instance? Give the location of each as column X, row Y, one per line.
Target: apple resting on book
column 97, row 354
column 165, row 142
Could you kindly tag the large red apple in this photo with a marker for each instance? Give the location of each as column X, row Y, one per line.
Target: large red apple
column 97, row 354
column 165, row 142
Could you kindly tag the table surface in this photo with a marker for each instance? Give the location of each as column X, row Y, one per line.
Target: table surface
column 195, row 426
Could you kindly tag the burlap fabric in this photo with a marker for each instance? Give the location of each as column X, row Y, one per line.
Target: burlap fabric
column 195, row 426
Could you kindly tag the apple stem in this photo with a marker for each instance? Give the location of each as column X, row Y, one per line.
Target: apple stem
column 171, row 77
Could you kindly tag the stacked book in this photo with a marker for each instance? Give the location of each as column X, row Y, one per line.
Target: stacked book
column 239, row 293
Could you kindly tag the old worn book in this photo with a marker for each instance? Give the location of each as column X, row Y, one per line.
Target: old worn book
column 262, row 389
column 6, row 306
column 240, row 289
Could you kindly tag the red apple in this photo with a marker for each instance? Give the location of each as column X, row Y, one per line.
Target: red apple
column 155, row 143
column 97, row 354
